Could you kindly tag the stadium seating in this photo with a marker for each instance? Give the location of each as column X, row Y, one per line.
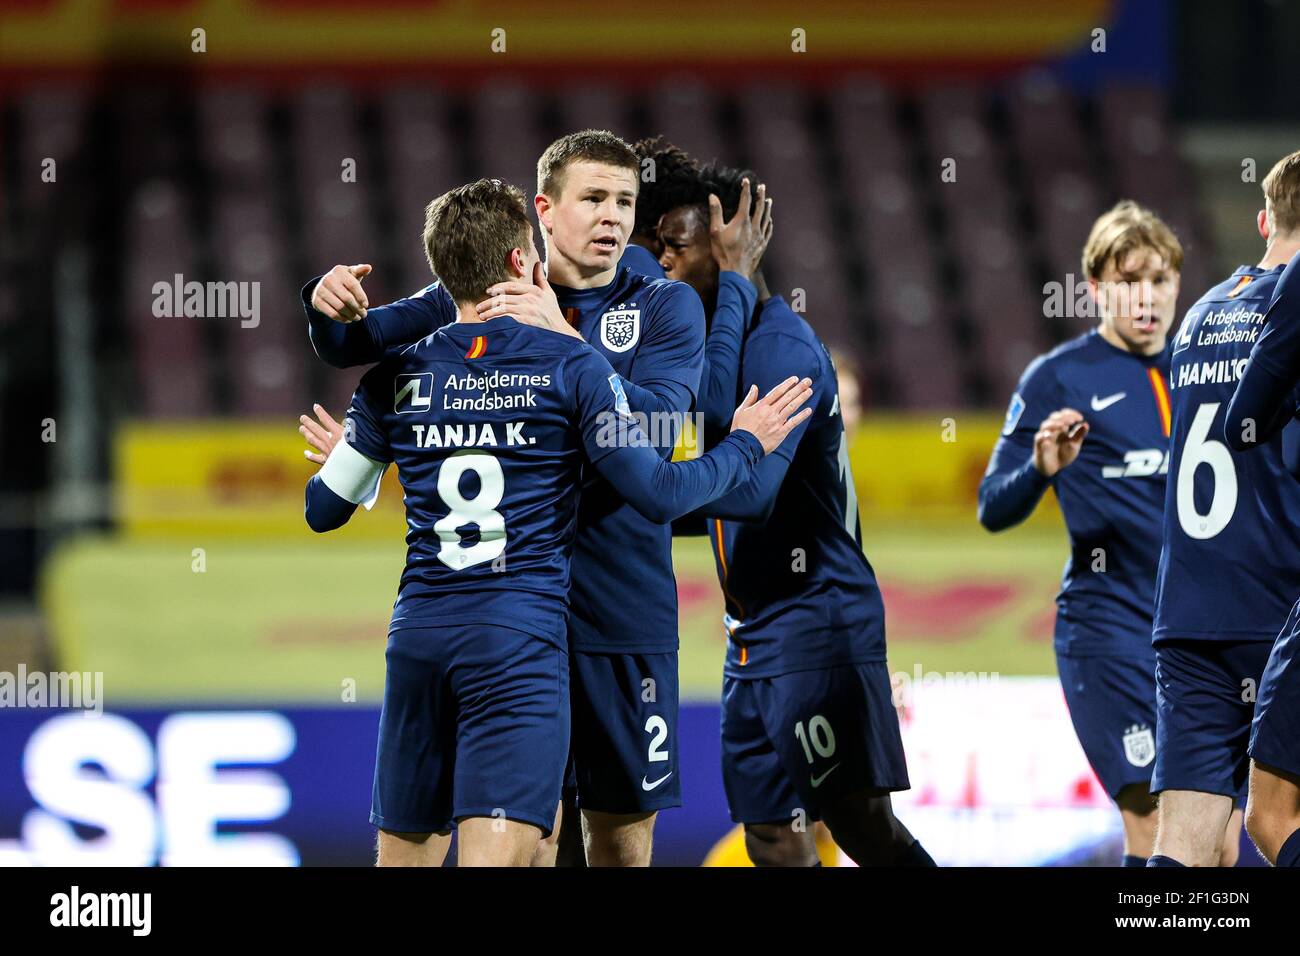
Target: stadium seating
column 933, row 284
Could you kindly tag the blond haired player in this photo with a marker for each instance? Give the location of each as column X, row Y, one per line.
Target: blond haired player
column 1091, row 419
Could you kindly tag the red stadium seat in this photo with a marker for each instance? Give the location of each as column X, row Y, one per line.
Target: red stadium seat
column 267, row 362
column 685, row 111
column 424, row 162
column 170, row 357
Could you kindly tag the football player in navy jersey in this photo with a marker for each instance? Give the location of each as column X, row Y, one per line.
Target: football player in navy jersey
column 489, row 422
column 1230, row 568
column 666, row 169
column 1091, row 420
column 623, row 612
column 1266, row 400
column 809, row 729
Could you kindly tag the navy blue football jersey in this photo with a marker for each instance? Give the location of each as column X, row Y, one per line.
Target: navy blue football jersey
column 1267, row 395
column 642, row 260
column 652, row 332
column 490, row 425
column 1112, row 496
column 799, row 592
column 1230, row 567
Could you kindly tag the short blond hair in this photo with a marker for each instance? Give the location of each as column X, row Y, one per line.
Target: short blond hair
column 1282, row 194
column 1123, row 228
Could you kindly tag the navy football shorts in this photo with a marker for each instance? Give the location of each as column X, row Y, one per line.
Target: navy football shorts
column 1112, row 703
column 1275, row 734
column 475, row 724
column 1205, row 700
column 625, row 731
column 795, row 743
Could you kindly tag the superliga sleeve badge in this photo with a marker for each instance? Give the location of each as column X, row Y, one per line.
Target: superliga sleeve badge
column 620, row 328
column 1014, row 411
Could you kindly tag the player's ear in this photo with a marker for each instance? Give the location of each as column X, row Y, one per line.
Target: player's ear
column 518, row 262
column 542, row 204
column 1261, row 221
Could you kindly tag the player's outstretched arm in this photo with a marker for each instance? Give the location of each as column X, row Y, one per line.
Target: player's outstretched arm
column 1265, row 399
column 737, row 297
column 345, row 330
column 662, row 490
column 325, row 510
column 1008, row 495
column 347, row 477
column 754, row 501
column 1019, row 470
column 738, row 247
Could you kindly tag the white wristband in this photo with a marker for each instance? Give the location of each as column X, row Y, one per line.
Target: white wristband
column 352, row 476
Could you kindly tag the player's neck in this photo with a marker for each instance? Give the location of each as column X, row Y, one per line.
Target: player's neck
column 1280, row 251
column 562, row 271
column 467, row 312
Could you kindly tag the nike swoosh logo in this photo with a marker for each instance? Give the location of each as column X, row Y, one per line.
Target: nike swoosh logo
column 1100, row 404
column 817, row 781
column 647, row 785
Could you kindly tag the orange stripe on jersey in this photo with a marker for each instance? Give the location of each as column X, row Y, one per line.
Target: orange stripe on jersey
column 722, row 560
column 571, row 315
column 1162, row 397
column 477, row 349
column 1241, row 284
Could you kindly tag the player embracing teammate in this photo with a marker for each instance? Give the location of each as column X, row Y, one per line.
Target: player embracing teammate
column 809, row 729
column 491, row 422
column 622, row 625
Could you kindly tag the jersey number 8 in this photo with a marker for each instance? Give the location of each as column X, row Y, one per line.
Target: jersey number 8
column 479, row 510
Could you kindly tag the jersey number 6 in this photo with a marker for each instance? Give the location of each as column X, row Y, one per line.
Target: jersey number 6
column 1199, row 449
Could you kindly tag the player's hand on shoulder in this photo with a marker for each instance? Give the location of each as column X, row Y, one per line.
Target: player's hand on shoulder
column 738, row 245
column 530, row 302
column 322, row 436
column 1058, row 440
column 339, row 296
column 773, row 416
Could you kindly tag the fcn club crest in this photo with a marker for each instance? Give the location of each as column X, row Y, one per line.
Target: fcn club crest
column 620, row 328
column 1139, row 745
